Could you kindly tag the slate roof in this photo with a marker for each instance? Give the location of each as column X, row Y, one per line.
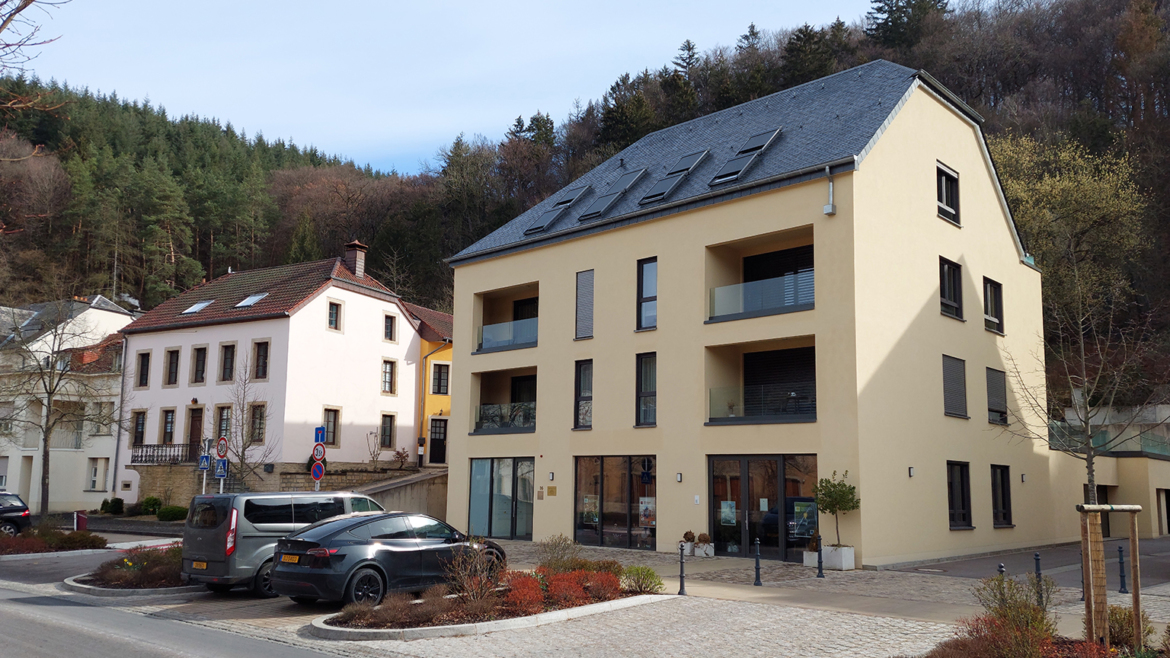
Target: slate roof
column 433, row 325
column 288, row 286
column 824, row 121
column 37, row 319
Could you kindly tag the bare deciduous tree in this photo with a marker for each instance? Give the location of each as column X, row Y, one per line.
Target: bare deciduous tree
column 54, row 381
column 250, row 445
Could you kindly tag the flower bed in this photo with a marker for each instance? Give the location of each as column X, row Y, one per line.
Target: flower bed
column 47, row 539
column 480, row 592
column 140, row 568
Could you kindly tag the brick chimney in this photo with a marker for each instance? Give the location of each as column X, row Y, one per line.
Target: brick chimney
column 355, row 258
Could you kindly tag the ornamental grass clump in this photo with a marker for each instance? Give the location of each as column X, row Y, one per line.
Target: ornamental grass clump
column 557, row 554
column 642, row 580
column 1121, row 627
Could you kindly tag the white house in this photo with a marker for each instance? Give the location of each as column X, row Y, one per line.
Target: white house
column 263, row 357
column 68, row 350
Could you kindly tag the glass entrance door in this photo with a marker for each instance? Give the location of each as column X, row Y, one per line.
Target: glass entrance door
column 616, row 502
column 755, row 497
column 500, row 503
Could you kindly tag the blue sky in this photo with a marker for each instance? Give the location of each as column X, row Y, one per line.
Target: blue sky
column 382, row 82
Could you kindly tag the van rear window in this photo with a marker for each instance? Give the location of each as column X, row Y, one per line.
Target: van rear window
column 314, row 509
column 268, row 510
column 207, row 512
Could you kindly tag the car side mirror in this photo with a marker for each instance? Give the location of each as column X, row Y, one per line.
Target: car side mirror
column 458, row 537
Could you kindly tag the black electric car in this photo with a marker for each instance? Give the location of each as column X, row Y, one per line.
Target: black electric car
column 14, row 516
column 361, row 557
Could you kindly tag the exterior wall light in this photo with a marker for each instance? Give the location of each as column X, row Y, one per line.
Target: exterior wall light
column 1023, row 478
column 911, row 471
column 550, row 476
column 678, row 477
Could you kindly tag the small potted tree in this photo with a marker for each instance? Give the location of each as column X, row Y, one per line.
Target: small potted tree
column 837, row 497
column 703, row 546
column 688, row 543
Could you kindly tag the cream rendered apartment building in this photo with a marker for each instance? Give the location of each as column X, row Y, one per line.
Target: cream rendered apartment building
column 822, row 280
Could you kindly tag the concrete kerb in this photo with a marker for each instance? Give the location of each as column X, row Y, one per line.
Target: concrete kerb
column 32, row 556
column 72, row 585
column 324, row 631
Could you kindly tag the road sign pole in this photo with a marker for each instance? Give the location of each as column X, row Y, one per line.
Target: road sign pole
column 204, row 483
column 317, row 485
column 221, row 484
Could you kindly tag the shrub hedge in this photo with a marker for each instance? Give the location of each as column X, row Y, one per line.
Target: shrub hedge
column 172, row 513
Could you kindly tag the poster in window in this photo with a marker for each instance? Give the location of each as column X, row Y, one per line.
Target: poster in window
column 589, row 510
column 646, row 511
column 804, row 518
column 727, row 512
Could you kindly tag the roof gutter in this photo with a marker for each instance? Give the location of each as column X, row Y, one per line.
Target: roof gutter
column 850, row 162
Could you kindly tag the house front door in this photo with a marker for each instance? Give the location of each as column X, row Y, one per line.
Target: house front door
column 195, row 431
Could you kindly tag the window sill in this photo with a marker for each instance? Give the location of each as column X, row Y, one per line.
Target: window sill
column 992, row 422
column 503, row 348
column 795, row 308
column 642, row 427
column 953, row 317
column 581, row 429
column 956, row 416
column 95, row 491
column 583, row 338
column 962, row 527
column 654, row 328
column 1006, row 526
column 994, row 331
column 950, row 221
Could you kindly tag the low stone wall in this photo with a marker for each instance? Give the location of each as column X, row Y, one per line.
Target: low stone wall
column 428, row 496
column 176, row 484
column 338, row 477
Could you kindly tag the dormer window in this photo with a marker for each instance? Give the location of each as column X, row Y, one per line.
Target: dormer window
column 198, row 306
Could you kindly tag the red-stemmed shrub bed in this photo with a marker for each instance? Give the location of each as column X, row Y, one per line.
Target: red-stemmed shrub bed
column 47, row 539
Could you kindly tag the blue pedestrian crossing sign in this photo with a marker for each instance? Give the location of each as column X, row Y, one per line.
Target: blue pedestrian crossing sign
column 319, row 434
column 204, row 462
column 221, row 468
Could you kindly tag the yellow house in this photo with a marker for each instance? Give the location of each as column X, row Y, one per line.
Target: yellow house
column 435, row 396
column 826, row 279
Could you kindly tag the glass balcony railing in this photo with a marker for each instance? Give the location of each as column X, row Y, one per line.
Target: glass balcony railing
column 792, row 402
column 784, row 294
column 508, row 335
column 1139, row 437
column 505, row 418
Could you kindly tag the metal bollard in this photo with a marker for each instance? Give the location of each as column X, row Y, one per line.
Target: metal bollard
column 1001, row 569
column 758, row 583
column 820, row 562
column 682, row 575
column 1039, row 582
column 1121, row 567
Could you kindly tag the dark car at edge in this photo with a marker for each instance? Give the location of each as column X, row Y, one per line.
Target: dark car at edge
column 14, row 515
column 362, row 557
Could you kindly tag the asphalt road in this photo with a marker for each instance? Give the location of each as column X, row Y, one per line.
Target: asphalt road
column 50, row 627
column 38, row 570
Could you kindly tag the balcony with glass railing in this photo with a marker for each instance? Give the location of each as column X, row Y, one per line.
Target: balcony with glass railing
column 506, row 418
column 784, row 294
column 1121, row 440
column 508, row 335
column 794, row 402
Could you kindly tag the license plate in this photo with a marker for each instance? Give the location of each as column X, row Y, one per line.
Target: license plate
column 290, row 558
column 198, row 565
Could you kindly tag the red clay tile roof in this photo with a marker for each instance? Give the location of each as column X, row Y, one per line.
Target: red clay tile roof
column 440, row 324
column 96, row 359
column 287, row 286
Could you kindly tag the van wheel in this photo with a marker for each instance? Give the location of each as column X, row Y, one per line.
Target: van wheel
column 218, row 588
column 262, row 583
column 304, row 600
column 365, row 586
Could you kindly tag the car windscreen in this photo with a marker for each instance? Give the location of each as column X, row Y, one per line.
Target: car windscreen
column 311, row 509
column 10, row 501
column 268, row 510
column 208, row 512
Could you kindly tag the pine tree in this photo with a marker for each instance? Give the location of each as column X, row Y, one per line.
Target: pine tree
column 900, row 24
column 749, row 42
column 305, row 247
column 807, row 56
column 687, row 59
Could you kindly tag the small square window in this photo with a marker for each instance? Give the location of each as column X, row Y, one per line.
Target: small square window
column 950, row 276
column 948, row 194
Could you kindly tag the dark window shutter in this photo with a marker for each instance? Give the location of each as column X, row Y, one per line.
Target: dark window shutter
column 780, row 382
column 585, row 304
column 954, row 386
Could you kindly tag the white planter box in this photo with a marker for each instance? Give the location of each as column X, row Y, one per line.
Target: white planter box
column 704, row 550
column 688, row 547
column 838, row 558
column 810, row 559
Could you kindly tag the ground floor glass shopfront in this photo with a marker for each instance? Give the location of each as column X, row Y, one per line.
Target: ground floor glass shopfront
column 765, row 497
column 500, row 505
column 616, row 501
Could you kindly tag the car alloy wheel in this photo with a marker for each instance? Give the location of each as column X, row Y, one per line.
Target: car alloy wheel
column 262, row 586
column 8, row 529
column 365, row 587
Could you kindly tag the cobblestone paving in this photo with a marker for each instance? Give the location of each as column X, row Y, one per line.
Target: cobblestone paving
column 1156, row 605
column 673, row 627
column 884, row 584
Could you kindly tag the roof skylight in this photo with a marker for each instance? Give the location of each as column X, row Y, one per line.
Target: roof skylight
column 571, row 196
column 198, row 306
column 606, row 201
column 674, row 178
column 548, row 217
column 251, row 300
column 744, row 157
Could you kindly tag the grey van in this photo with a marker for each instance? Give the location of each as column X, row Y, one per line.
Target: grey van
column 229, row 538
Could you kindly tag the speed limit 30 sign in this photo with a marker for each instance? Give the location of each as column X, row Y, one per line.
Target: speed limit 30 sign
column 318, row 452
column 221, row 447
